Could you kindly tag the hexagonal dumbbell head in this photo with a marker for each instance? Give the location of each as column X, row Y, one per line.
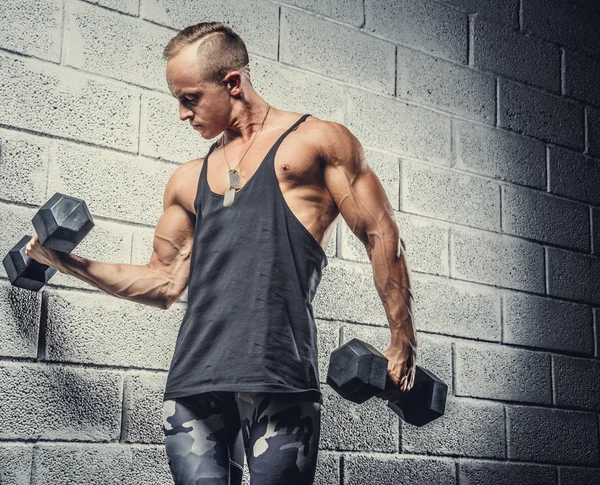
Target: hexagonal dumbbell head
column 357, row 371
column 62, row 222
column 23, row 271
column 425, row 401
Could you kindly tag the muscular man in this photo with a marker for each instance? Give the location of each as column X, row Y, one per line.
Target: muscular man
column 245, row 227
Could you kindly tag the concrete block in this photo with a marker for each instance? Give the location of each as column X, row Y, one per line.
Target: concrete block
column 499, row 154
column 545, row 323
column 370, row 426
column 333, row 50
column 397, row 470
column 550, row 118
column 347, row 293
column 451, row 196
column 573, row 275
column 463, row 91
column 19, row 321
column 561, row 23
column 552, row 435
column 143, row 407
column 574, row 175
column 295, row 90
column 476, row 472
column 501, row 49
column 428, row 26
column 109, row 331
column 130, row 7
column 578, row 476
column 93, row 464
column 456, row 308
column 114, row 45
column 581, row 77
column 345, row 11
column 576, row 382
column 468, row 427
column 426, row 242
column 15, row 463
column 23, row 167
column 411, row 130
column 593, row 131
column 32, row 27
column 496, row 259
column 258, row 30
column 505, row 373
column 328, row 468
column 58, row 402
column 114, row 185
column 164, row 135
column 533, row 214
column 61, row 102
column 506, row 12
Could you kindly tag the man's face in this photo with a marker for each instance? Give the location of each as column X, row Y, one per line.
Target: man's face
column 206, row 106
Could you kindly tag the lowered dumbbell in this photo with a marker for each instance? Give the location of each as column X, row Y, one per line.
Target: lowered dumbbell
column 60, row 224
column 357, row 372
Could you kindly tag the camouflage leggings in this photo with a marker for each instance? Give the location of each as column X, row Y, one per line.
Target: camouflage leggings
column 207, row 435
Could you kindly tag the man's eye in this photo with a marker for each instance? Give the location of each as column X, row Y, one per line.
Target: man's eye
column 189, row 100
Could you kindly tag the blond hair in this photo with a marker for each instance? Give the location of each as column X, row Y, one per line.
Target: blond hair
column 220, row 49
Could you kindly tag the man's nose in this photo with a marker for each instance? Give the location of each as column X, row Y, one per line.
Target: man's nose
column 184, row 111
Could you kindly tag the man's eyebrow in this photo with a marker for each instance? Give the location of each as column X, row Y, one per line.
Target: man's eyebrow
column 183, row 93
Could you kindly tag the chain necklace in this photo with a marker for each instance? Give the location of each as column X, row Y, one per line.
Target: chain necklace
column 234, row 175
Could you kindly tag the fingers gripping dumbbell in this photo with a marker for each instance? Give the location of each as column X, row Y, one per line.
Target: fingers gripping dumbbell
column 357, row 371
column 60, row 224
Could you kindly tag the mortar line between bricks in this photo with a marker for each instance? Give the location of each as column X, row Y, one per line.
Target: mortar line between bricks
column 122, row 430
column 592, row 237
column 41, row 347
column 364, row 12
column 63, row 32
column 278, row 56
column 552, row 380
column 520, row 15
column 595, row 333
column 563, row 73
column 104, row 7
column 546, row 272
column 139, row 133
column 470, row 40
column 497, row 113
column 547, row 160
column 456, row 472
column 506, row 437
column 586, row 140
column 342, row 464
column 139, row 9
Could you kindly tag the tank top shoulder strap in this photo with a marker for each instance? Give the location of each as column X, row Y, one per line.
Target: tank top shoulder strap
column 289, row 130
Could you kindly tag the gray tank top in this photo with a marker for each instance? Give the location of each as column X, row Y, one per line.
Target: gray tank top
column 249, row 324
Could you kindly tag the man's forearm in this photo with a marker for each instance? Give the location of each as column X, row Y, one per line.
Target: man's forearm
column 391, row 275
column 138, row 283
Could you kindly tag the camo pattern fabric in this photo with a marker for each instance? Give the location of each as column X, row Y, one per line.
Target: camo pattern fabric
column 208, row 434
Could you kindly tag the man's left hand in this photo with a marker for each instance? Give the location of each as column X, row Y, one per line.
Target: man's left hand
column 402, row 361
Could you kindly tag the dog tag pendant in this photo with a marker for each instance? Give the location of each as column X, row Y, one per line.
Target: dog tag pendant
column 234, row 179
column 228, row 198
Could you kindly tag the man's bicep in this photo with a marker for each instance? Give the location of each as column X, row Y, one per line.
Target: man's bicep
column 356, row 190
column 173, row 240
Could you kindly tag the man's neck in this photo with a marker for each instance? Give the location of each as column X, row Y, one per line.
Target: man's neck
column 248, row 121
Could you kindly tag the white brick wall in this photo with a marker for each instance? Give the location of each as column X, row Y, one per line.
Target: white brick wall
column 482, row 120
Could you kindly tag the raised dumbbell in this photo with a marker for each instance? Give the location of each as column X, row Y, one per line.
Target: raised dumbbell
column 358, row 371
column 61, row 224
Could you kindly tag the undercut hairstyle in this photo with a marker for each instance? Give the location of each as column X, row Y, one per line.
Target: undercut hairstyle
column 220, row 50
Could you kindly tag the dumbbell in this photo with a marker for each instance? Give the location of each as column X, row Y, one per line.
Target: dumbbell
column 358, row 371
column 61, row 224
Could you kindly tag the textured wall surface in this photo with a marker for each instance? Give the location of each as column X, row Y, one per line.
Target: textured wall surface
column 482, row 120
